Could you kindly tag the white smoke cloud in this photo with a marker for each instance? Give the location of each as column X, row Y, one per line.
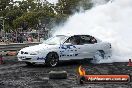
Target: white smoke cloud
column 110, row 22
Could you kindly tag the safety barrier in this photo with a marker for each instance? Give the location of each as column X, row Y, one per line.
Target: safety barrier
column 14, row 47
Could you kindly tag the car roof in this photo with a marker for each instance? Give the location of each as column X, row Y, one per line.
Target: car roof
column 69, row 35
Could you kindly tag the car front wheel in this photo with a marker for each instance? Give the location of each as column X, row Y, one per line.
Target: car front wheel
column 52, row 59
column 98, row 56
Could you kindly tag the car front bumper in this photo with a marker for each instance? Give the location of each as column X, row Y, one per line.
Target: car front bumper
column 31, row 58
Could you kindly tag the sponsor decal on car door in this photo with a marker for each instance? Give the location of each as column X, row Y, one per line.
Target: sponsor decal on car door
column 69, row 51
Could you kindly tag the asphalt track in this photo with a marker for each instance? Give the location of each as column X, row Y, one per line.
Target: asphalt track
column 14, row 74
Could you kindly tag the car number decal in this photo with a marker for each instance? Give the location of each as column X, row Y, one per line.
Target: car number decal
column 68, row 48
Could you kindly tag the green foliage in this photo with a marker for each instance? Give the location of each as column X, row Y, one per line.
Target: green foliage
column 29, row 17
column 66, row 6
column 33, row 11
column 3, row 5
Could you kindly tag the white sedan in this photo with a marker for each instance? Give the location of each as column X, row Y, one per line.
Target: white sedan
column 62, row 47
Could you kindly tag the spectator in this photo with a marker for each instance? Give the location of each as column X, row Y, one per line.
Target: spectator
column 30, row 39
column 19, row 38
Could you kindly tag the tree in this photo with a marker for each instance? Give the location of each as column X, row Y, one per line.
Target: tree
column 3, row 5
column 27, row 13
column 67, row 6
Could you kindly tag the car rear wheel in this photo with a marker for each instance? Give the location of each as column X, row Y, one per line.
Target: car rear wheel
column 98, row 56
column 52, row 59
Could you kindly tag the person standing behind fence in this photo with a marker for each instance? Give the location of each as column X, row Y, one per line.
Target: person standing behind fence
column 30, row 39
column 21, row 38
column 18, row 38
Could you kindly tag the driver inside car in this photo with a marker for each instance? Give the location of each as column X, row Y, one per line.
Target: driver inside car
column 75, row 41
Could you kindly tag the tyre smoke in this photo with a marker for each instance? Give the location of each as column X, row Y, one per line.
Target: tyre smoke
column 110, row 22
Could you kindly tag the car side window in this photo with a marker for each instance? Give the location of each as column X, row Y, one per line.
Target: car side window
column 86, row 39
column 75, row 40
column 93, row 40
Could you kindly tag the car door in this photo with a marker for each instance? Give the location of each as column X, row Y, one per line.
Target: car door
column 89, row 46
column 72, row 48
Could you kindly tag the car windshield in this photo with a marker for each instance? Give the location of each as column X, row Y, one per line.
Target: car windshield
column 55, row 40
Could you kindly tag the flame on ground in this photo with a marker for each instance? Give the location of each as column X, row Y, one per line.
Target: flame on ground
column 81, row 71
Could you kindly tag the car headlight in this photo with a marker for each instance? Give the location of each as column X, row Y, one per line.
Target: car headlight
column 22, row 52
column 33, row 53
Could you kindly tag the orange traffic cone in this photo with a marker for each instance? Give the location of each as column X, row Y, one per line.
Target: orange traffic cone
column 129, row 63
column 1, row 59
